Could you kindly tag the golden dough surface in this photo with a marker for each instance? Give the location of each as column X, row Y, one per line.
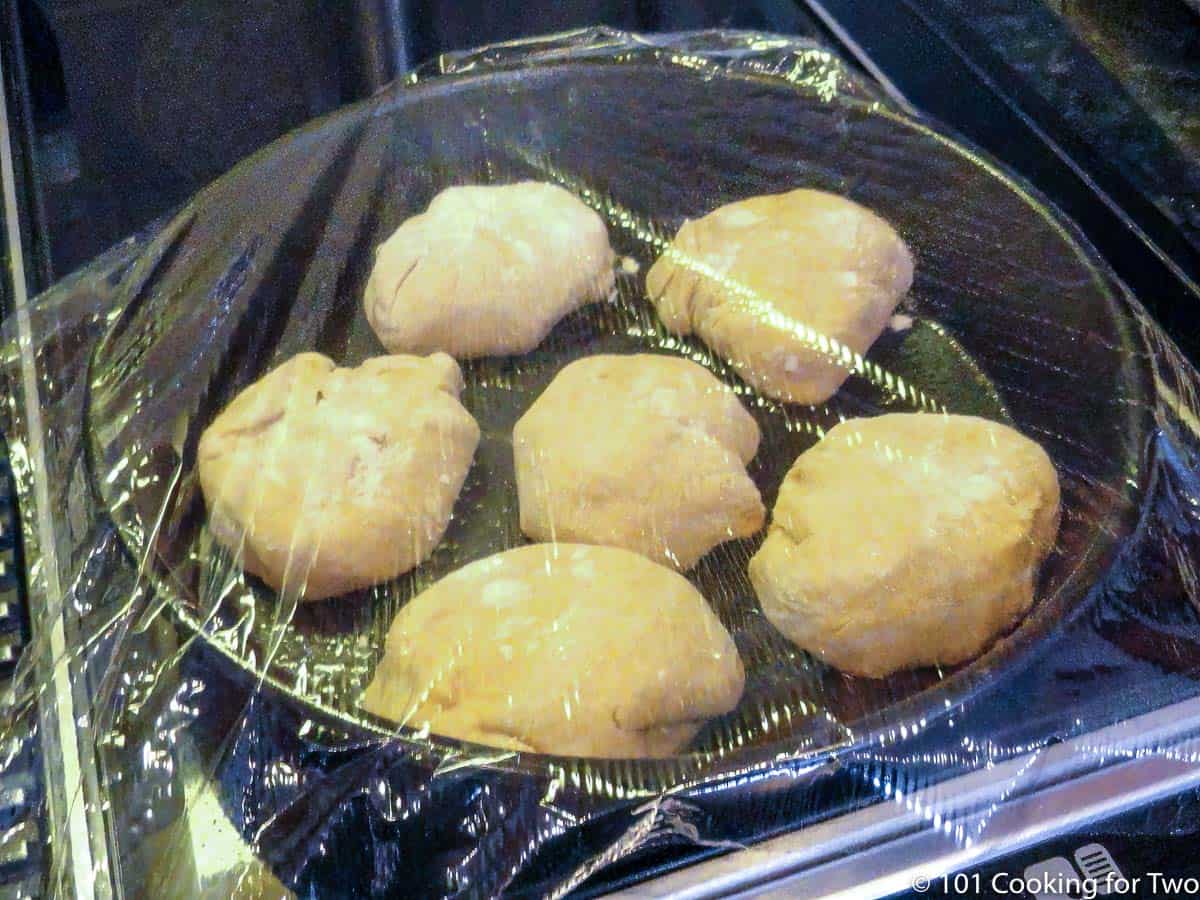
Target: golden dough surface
column 645, row 451
column 566, row 649
column 331, row 479
column 487, row 270
column 787, row 287
column 907, row 540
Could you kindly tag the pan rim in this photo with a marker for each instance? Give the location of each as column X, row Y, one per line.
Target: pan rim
column 1069, row 598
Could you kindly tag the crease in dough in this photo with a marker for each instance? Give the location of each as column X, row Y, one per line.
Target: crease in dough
column 791, row 289
column 327, row 480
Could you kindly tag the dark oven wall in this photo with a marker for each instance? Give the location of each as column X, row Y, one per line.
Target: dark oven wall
column 136, row 104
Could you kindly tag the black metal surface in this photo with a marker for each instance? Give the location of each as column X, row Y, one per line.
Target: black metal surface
column 1124, row 75
column 19, row 108
column 934, row 60
column 121, row 137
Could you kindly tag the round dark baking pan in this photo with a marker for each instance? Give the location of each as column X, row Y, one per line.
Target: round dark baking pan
column 1011, row 316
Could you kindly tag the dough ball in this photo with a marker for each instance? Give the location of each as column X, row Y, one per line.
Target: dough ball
column 643, row 452
column 787, row 287
column 559, row 648
column 328, row 480
column 487, row 270
column 907, row 540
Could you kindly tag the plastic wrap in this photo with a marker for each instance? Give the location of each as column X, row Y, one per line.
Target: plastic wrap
column 203, row 734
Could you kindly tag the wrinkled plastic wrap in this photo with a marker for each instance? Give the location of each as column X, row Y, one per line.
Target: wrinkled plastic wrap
column 203, row 736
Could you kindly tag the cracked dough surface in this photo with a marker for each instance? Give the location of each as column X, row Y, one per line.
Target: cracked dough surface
column 907, row 540
column 559, row 648
column 487, row 270
column 645, row 452
column 335, row 479
column 786, row 287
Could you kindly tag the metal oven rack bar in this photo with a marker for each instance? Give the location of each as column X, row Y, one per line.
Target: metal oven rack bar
column 30, row 784
column 883, row 849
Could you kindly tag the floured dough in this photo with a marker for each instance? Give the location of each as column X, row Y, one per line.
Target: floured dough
column 907, row 540
column 487, row 270
column 559, row 648
column 788, row 287
column 335, row 479
column 644, row 452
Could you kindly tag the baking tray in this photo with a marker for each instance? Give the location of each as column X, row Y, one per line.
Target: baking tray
column 1013, row 318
